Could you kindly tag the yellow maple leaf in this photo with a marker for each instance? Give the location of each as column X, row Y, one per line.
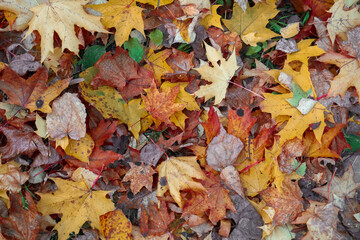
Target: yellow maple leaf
column 115, row 225
column 278, row 105
column 212, row 19
column 60, row 17
column 124, row 15
column 81, row 149
column 219, row 75
column 348, row 75
column 157, row 63
column 342, row 20
column 177, row 174
column 251, row 25
column 183, row 96
column 78, row 204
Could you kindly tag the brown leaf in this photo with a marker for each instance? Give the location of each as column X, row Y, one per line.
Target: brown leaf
column 140, row 176
column 12, row 179
column 22, row 224
column 21, row 141
column 231, row 178
column 67, row 118
column 223, row 150
column 158, row 219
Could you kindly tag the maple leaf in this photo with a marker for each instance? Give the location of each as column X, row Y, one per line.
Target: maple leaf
column 162, row 104
column 212, row 19
column 342, row 20
column 341, row 188
column 115, row 225
column 212, row 125
column 287, row 204
column 155, row 220
column 31, row 93
column 348, row 75
column 140, row 176
column 60, row 17
column 251, row 25
column 216, row 200
column 240, row 122
column 219, row 75
column 157, row 63
column 21, row 223
column 177, row 174
column 78, row 204
column 124, row 15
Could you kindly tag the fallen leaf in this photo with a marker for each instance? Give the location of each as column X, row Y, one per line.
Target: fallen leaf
column 11, row 178
column 177, row 174
column 78, row 204
column 223, row 150
column 22, row 223
column 115, row 225
column 231, row 178
column 22, row 11
column 157, row 219
column 130, row 17
column 24, row 63
column 67, row 118
column 290, row 30
column 212, row 125
column 240, row 122
column 60, row 17
column 139, row 175
column 80, row 149
column 212, row 19
column 157, row 63
column 251, row 25
column 219, row 75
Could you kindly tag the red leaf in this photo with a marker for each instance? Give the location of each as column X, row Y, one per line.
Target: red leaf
column 212, row 125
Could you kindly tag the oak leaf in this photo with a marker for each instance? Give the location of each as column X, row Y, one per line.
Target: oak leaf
column 60, row 17
column 124, row 15
column 219, row 75
column 115, row 225
column 177, row 174
column 251, row 25
column 348, row 75
column 67, row 118
column 342, row 20
column 162, row 104
column 22, row 223
column 31, row 93
column 139, row 176
column 78, row 204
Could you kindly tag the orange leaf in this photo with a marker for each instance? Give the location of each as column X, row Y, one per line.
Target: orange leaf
column 240, row 122
column 115, row 225
column 212, row 125
column 139, row 176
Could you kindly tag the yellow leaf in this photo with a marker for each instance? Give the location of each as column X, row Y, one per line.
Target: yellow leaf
column 10, row 17
column 290, row 30
column 298, row 123
column 22, row 10
column 177, row 174
column 81, row 149
column 219, row 75
column 251, row 25
column 124, row 15
column 63, row 142
column 60, row 17
column 78, row 204
column 342, row 20
column 183, row 96
column 111, row 105
column 157, row 63
column 348, row 75
column 40, row 124
column 212, row 19
column 156, row 3
column 178, row 119
column 115, row 225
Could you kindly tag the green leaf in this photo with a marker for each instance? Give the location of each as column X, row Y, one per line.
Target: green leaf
column 353, row 140
column 298, row 95
column 135, row 49
column 253, row 50
column 156, row 36
column 299, row 170
column 92, row 55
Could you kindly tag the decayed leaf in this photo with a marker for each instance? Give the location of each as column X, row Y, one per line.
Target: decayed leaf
column 162, row 104
column 231, row 178
column 251, row 25
column 342, row 20
column 60, row 17
column 219, row 75
column 81, row 149
column 78, row 204
column 11, row 178
column 67, row 118
column 287, row 204
column 33, row 92
column 139, row 176
column 24, row 63
column 124, row 15
column 341, row 188
column 22, row 223
column 176, row 174
column 115, row 225
column 348, row 75
column 223, row 150
column 215, row 201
